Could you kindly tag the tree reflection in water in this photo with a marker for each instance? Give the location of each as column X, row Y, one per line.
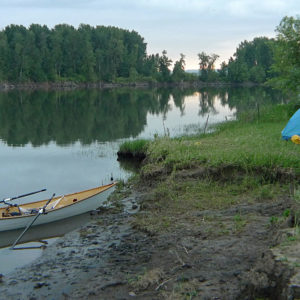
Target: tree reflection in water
column 39, row 117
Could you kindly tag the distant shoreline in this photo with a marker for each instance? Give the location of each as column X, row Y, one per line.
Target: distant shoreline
column 71, row 85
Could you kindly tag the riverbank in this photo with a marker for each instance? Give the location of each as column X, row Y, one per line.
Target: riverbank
column 209, row 217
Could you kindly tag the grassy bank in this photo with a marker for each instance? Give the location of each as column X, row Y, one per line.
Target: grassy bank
column 241, row 162
column 249, row 144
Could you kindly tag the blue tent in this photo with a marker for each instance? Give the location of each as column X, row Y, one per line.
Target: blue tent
column 292, row 127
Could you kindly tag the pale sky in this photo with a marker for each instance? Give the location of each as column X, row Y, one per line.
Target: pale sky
column 178, row 26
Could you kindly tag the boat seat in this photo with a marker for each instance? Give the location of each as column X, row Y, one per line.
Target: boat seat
column 55, row 203
column 30, row 211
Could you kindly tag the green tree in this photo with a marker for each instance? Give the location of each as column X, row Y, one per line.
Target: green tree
column 178, row 73
column 164, row 64
column 257, row 74
column 4, row 55
column 16, row 36
column 36, row 50
column 237, row 71
column 87, row 60
column 206, row 64
column 287, row 56
column 223, row 72
column 56, row 52
column 151, row 66
column 252, row 61
column 203, row 64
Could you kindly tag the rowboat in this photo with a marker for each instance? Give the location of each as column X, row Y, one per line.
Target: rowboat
column 54, row 209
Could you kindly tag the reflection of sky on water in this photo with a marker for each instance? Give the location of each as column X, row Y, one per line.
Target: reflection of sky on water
column 178, row 123
column 9, row 260
column 59, row 169
column 12, row 259
column 73, row 167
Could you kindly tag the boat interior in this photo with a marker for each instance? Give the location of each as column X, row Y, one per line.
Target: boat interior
column 32, row 208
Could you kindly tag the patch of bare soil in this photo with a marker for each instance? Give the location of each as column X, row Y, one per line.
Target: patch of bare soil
column 217, row 256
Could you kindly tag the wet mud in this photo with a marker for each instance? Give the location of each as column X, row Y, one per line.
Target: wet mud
column 110, row 259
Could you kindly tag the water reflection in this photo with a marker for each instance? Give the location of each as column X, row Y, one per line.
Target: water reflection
column 239, row 98
column 130, row 165
column 45, row 231
column 39, row 117
column 11, row 259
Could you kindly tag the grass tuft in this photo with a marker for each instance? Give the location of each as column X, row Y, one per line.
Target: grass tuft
column 134, row 148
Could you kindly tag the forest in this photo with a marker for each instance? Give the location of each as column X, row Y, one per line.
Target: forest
column 111, row 54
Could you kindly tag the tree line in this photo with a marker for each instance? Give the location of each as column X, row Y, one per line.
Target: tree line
column 88, row 53
column 111, row 54
column 84, row 54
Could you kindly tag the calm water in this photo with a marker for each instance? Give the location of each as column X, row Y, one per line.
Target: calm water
column 67, row 141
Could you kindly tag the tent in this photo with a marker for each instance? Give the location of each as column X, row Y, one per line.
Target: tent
column 292, row 127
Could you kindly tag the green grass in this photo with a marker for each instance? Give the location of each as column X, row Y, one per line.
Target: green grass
column 251, row 145
column 173, row 202
column 241, row 162
column 135, row 147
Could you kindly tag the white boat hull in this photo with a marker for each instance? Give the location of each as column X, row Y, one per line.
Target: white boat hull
column 57, row 214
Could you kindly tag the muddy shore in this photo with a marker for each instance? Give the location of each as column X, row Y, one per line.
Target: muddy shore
column 111, row 259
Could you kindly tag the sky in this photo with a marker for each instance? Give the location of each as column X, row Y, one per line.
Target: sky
column 177, row 26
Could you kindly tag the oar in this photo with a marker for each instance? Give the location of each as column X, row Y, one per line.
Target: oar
column 41, row 211
column 21, row 196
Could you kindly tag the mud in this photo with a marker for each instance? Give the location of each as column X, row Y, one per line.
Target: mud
column 109, row 259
